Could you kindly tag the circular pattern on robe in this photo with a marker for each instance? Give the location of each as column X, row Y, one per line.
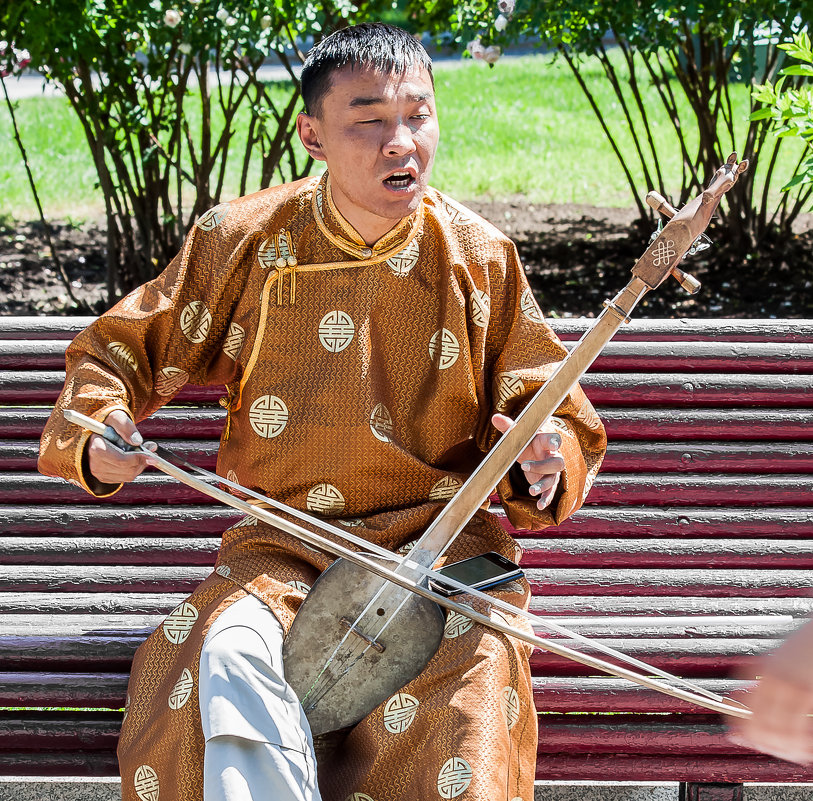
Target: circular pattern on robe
column 170, row 380
column 444, row 348
column 360, row 797
column 381, row 423
column 325, row 499
column 336, row 331
column 223, row 570
column 444, row 489
column 509, row 386
column 196, row 321
column 527, row 305
column 123, row 354
column 300, row 586
column 268, row 416
column 479, row 307
column 399, row 712
column 403, row 261
column 267, row 253
column 212, row 218
column 179, row 623
column 145, row 782
column 182, row 690
column 232, row 476
column 454, row 777
column 456, row 624
column 509, row 704
column 233, row 343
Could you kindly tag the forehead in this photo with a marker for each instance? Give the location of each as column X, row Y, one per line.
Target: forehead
column 360, row 87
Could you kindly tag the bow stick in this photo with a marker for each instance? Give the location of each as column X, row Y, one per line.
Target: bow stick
column 178, row 468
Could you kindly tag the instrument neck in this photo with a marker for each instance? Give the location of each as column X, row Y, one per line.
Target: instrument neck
column 470, row 497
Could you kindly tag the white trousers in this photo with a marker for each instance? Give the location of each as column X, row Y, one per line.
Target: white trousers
column 258, row 742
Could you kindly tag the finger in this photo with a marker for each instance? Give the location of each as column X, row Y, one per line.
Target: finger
column 544, row 491
column 502, row 422
column 542, row 446
column 110, row 464
column 536, row 469
column 124, row 427
column 547, row 440
column 779, row 724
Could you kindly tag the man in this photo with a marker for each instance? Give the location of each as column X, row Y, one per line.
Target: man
column 374, row 338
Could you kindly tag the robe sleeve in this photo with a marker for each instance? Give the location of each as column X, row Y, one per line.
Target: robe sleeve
column 137, row 356
column 524, row 352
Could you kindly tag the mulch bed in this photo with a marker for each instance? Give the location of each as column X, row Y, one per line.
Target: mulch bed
column 575, row 257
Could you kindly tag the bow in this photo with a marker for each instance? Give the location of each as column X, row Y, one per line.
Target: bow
column 406, row 580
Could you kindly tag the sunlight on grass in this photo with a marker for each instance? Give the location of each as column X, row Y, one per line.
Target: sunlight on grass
column 522, row 128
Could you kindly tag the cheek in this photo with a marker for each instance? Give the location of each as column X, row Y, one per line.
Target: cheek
column 427, row 143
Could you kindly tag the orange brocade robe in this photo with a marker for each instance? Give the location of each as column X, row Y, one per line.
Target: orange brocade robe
column 360, row 383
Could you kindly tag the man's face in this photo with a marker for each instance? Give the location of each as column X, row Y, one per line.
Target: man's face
column 378, row 134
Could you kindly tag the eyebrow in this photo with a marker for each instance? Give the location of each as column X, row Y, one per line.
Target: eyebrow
column 361, row 102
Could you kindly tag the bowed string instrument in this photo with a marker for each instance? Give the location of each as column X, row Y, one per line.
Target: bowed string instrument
column 371, row 621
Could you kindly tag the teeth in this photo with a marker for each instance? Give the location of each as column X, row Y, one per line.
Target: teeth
column 400, row 179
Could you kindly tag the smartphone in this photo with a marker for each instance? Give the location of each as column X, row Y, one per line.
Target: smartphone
column 479, row 572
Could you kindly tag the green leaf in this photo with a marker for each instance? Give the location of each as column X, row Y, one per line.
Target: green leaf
column 798, row 69
column 761, row 114
column 796, row 180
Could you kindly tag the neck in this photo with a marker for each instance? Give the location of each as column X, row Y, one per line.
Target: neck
column 370, row 227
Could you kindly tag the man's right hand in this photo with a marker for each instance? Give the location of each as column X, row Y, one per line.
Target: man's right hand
column 108, row 464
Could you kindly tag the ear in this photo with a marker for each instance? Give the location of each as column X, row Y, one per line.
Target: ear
column 308, row 129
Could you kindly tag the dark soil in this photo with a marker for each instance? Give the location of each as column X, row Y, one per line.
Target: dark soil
column 575, row 257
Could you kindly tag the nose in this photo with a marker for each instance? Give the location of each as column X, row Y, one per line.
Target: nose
column 400, row 140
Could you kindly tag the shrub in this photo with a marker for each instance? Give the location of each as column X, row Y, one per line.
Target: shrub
column 790, row 110
column 699, row 49
column 159, row 88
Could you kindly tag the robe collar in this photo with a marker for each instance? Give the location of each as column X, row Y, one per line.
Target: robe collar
column 336, row 228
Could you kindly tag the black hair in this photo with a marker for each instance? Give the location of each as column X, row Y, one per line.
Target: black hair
column 371, row 45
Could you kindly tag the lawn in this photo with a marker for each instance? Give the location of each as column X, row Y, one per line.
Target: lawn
column 521, row 128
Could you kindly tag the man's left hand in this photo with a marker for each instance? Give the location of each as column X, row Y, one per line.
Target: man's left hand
column 541, row 461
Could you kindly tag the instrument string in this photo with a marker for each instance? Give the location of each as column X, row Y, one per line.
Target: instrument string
column 357, row 625
column 694, row 696
column 535, row 620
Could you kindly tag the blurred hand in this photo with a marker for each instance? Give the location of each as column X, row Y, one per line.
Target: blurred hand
column 107, row 463
column 541, row 461
column 781, row 702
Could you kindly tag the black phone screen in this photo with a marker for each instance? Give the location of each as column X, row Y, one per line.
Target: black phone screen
column 479, row 568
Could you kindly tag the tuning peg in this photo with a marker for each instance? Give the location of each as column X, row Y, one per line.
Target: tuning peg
column 688, row 282
column 659, row 203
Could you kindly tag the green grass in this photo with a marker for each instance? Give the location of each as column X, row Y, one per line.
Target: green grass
column 522, row 128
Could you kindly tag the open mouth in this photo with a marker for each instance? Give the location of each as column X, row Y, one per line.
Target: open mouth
column 400, row 180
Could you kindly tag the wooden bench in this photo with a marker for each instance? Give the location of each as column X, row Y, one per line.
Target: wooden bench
column 704, row 507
